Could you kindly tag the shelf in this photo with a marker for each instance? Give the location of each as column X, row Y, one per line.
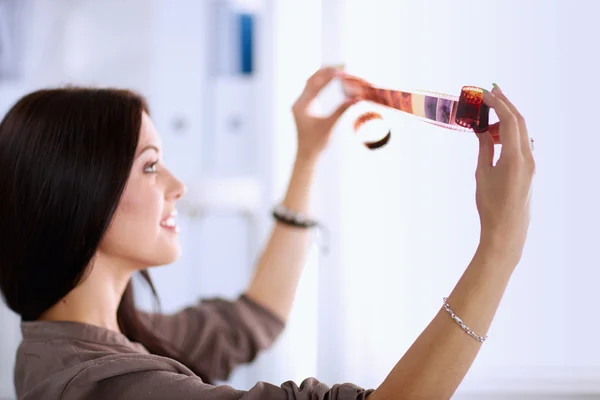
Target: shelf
column 239, row 195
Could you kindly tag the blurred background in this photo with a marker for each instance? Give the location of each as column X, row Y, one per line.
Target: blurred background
column 221, row 76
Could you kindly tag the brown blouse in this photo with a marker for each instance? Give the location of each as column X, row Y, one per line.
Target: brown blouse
column 69, row 360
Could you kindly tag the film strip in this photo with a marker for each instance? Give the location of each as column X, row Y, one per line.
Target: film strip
column 466, row 112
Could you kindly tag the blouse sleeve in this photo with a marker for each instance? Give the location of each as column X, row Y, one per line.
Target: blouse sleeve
column 164, row 385
column 217, row 335
column 143, row 379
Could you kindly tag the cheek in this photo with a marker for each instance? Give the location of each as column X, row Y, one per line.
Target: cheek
column 135, row 226
column 141, row 208
column 137, row 217
column 135, row 233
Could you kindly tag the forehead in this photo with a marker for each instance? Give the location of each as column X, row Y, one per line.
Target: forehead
column 148, row 133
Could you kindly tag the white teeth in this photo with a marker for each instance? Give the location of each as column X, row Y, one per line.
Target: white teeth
column 170, row 222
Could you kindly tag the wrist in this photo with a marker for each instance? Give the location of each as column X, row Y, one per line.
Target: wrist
column 307, row 159
column 499, row 250
column 304, row 170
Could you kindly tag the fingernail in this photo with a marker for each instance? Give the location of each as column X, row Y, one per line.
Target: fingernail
column 487, row 92
column 496, row 87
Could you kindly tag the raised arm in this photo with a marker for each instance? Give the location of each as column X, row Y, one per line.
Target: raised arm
column 437, row 362
column 279, row 268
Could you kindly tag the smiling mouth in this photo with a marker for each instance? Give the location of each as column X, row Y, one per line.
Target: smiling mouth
column 170, row 223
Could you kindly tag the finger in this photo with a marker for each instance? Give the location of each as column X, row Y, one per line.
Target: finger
column 314, row 84
column 508, row 126
column 486, row 150
column 340, row 110
column 524, row 134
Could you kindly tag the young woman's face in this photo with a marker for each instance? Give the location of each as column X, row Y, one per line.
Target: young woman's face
column 143, row 232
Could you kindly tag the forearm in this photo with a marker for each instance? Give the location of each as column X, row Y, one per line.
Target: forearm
column 437, row 362
column 280, row 266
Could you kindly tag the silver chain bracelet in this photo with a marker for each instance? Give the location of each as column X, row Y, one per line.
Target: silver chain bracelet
column 462, row 324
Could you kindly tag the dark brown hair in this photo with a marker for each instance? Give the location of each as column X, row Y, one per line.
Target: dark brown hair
column 65, row 157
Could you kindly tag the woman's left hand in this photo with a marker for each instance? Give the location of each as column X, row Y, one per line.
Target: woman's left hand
column 314, row 132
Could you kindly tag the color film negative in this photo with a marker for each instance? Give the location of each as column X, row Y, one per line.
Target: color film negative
column 466, row 112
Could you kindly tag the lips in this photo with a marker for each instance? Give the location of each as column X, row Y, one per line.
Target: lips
column 170, row 222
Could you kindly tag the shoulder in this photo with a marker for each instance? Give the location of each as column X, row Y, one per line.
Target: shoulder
column 57, row 359
column 80, row 374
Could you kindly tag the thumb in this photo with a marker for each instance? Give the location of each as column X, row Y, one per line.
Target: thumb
column 495, row 131
column 486, row 150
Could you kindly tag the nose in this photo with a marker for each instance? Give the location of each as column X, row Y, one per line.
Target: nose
column 176, row 188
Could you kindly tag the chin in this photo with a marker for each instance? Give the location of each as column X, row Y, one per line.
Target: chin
column 163, row 255
column 171, row 255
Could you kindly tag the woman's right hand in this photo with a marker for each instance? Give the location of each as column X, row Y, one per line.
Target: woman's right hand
column 503, row 190
column 436, row 363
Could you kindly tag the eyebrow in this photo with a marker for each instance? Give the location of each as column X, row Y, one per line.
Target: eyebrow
column 149, row 147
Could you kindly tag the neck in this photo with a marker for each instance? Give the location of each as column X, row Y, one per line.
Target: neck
column 96, row 299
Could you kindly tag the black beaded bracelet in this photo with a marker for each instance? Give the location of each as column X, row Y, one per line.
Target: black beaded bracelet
column 291, row 218
column 288, row 217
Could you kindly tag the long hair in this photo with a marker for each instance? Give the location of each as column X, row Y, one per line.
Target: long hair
column 65, row 157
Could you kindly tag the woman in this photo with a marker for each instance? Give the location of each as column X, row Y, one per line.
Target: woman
column 86, row 201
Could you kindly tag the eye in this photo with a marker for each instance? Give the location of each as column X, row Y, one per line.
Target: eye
column 151, row 168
